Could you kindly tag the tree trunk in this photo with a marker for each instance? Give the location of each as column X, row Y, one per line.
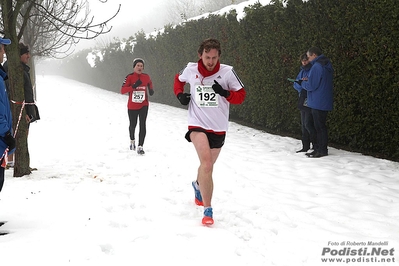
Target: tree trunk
column 20, row 126
column 21, row 157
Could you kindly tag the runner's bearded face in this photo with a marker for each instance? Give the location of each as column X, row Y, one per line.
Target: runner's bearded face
column 210, row 59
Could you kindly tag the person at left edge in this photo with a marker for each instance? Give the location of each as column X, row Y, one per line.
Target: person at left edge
column 137, row 84
column 6, row 135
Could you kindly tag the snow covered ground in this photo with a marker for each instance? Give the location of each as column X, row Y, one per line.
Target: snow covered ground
column 95, row 202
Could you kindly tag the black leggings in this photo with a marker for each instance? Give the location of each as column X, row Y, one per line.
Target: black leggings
column 142, row 114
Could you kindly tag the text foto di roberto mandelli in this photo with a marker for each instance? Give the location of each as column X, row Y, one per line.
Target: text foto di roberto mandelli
column 355, row 243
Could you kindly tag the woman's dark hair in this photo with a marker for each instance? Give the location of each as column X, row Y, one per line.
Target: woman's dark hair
column 303, row 57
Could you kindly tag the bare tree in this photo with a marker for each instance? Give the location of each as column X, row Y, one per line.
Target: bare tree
column 49, row 27
column 54, row 26
column 181, row 10
column 50, row 37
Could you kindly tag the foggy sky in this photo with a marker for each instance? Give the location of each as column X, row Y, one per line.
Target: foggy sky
column 134, row 16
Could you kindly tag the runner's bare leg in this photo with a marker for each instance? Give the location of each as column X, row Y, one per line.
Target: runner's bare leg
column 207, row 157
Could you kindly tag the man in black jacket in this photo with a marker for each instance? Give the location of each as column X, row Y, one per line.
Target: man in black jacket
column 31, row 113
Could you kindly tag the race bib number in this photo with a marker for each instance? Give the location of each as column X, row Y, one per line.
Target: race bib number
column 205, row 96
column 138, row 96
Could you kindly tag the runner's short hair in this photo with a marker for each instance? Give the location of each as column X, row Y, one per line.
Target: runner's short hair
column 209, row 44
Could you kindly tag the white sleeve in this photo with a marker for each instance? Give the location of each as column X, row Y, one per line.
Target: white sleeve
column 184, row 76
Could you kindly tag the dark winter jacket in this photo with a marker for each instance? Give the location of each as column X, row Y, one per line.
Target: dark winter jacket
column 320, row 84
column 28, row 90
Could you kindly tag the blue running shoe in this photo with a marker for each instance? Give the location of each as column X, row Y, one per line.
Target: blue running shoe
column 208, row 216
column 198, row 197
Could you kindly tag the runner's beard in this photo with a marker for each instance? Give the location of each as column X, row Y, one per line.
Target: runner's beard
column 210, row 67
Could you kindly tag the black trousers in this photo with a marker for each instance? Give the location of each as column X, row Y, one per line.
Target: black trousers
column 320, row 124
column 141, row 114
column 308, row 130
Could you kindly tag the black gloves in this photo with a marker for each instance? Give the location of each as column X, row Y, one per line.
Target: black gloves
column 184, row 98
column 136, row 84
column 219, row 90
column 150, row 91
column 9, row 140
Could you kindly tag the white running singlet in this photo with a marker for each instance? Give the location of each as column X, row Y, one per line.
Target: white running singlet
column 207, row 109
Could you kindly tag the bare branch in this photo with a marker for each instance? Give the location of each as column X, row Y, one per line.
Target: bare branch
column 55, row 26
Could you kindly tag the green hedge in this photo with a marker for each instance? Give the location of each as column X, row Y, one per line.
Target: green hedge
column 360, row 37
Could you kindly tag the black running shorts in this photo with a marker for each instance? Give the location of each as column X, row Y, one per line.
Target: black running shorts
column 216, row 141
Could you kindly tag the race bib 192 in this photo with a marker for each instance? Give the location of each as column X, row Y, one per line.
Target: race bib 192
column 205, row 96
